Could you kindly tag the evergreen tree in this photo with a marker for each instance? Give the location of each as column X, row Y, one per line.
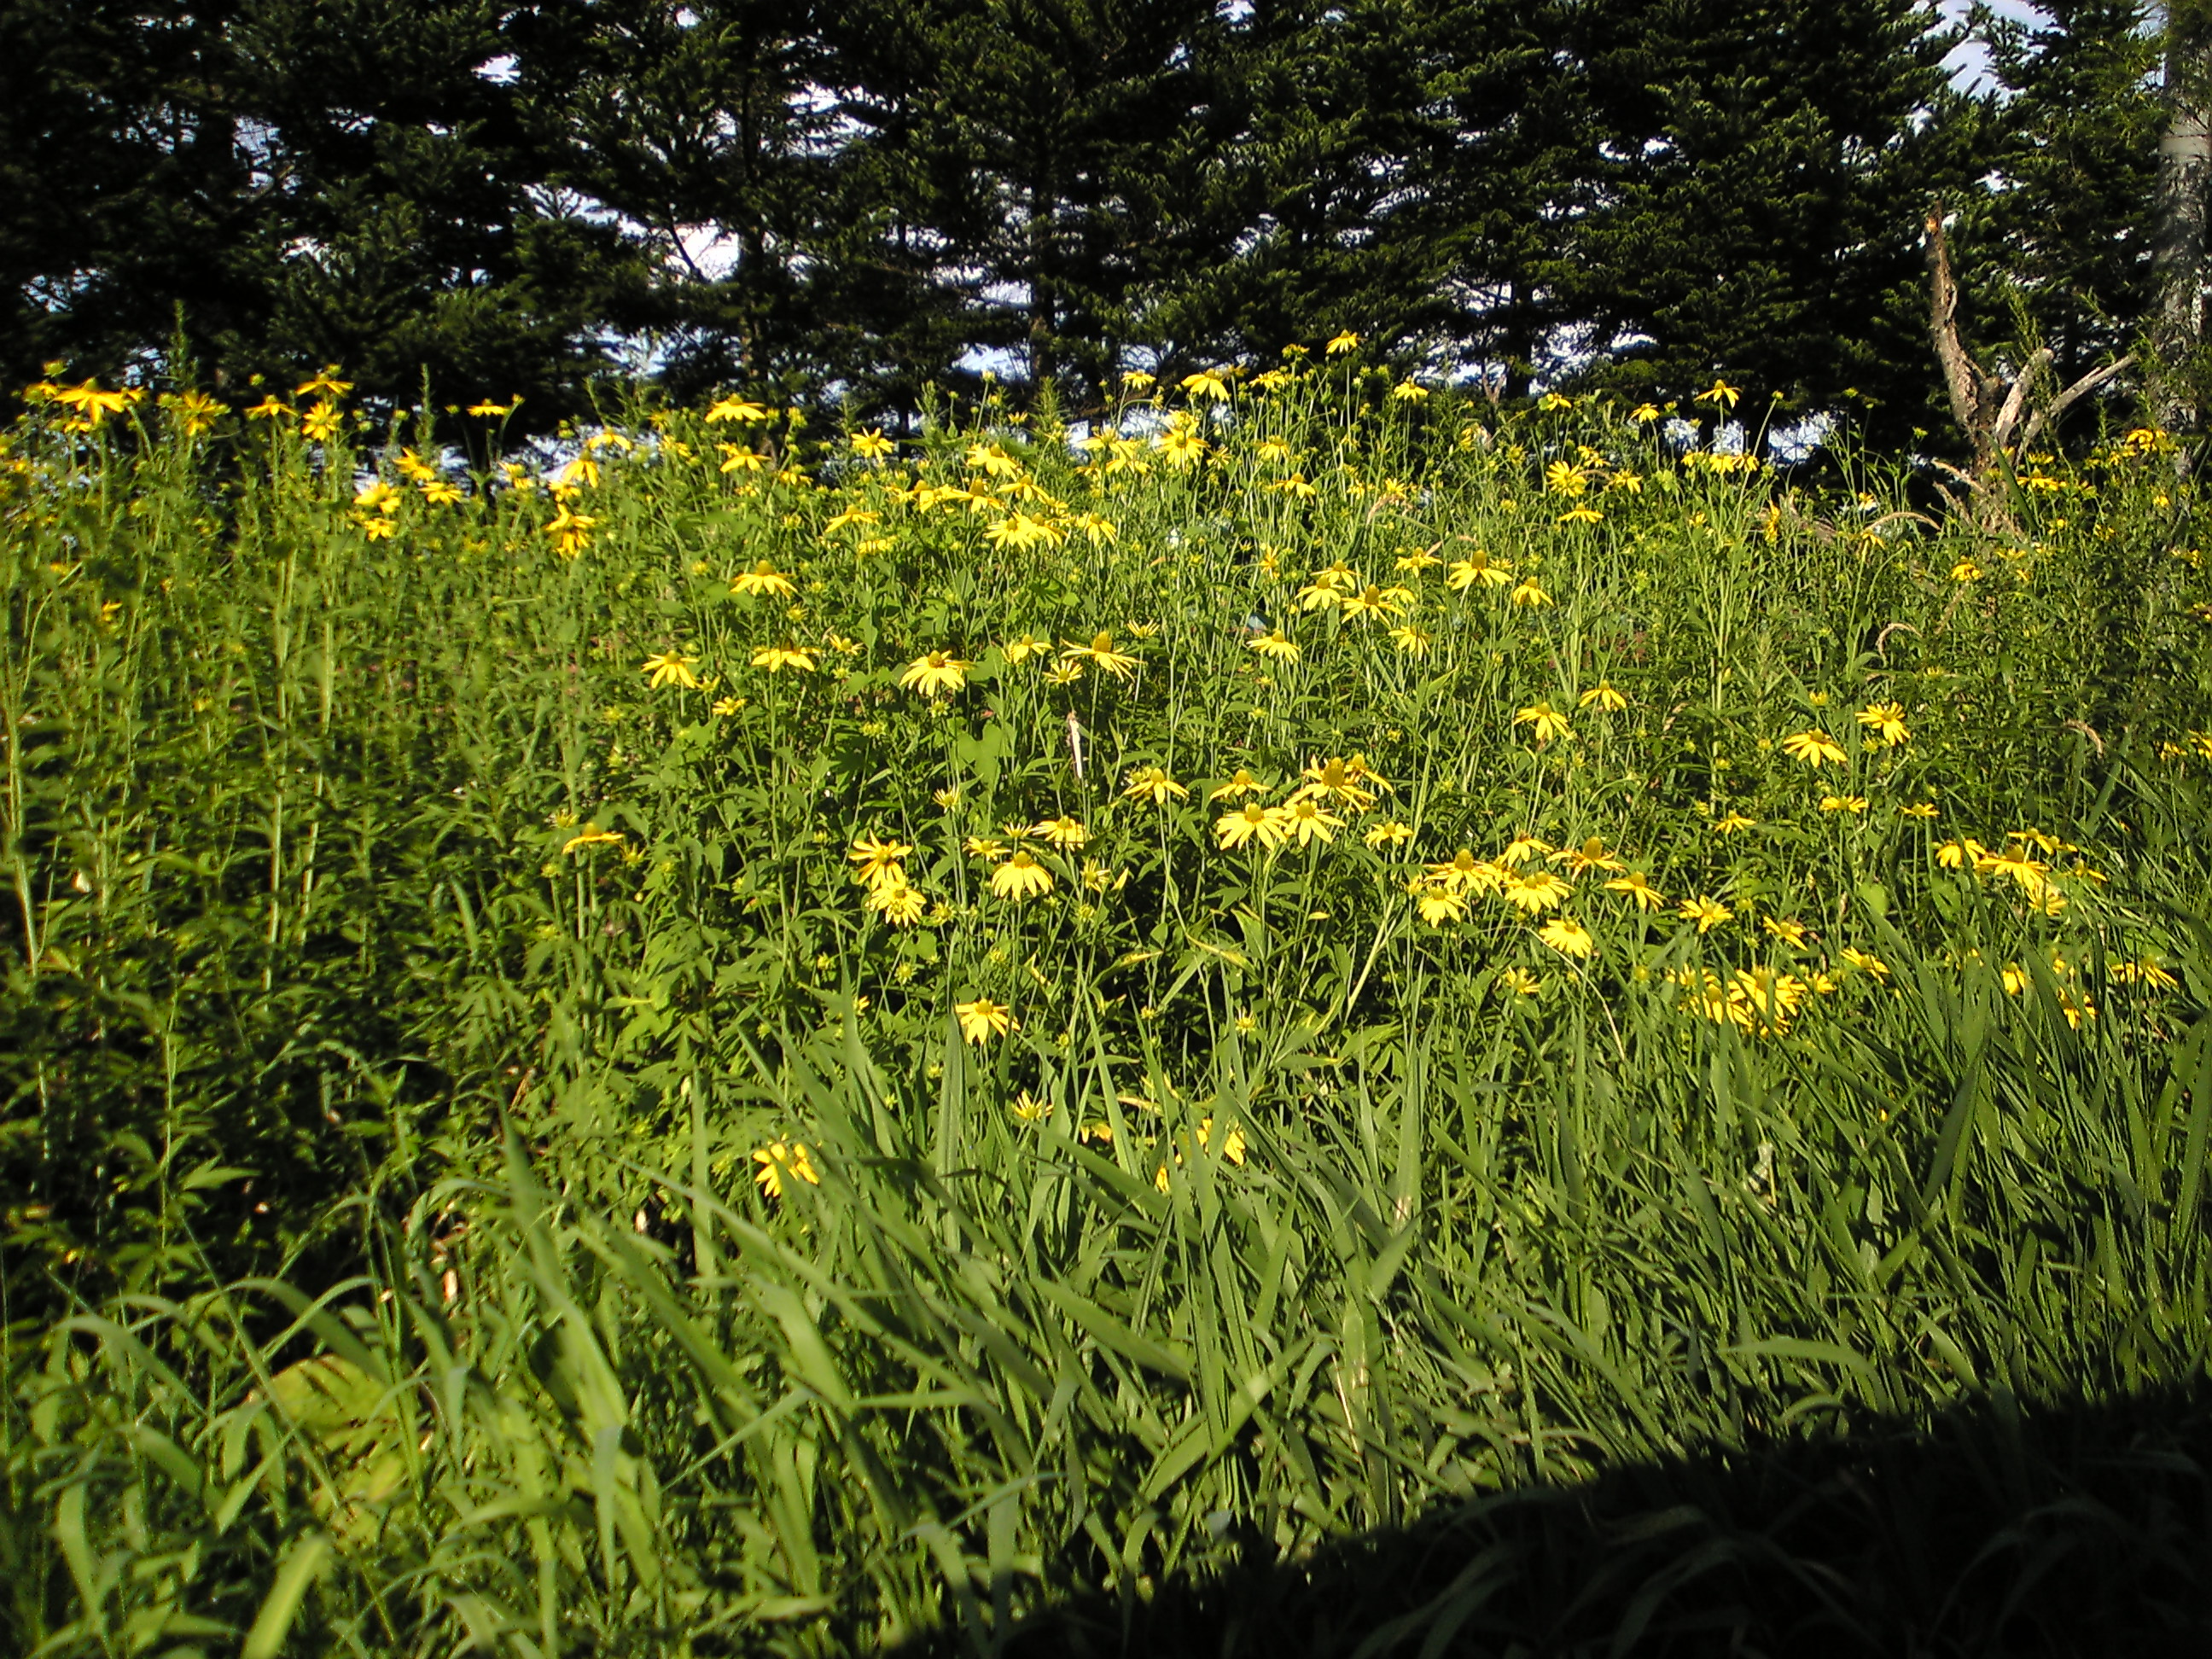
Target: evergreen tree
column 1762, row 167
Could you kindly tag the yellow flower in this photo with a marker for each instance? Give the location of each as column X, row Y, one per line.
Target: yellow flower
column 1787, row 929
column 1707, row 913
column 1638, row 887
column 899, row 904
column 1528, row 596
column 496, row 412
column 1565, row 478
column 1867, row 962
column 1478, row 567
column 671, row 667
column 1021, row 648
column 1273, row 643
column 1343, row 342
column 1100, row 651
column 779, row 1161
column 1241, row 785
column 1207, row 383
column 1231, row 1144
column 95, row 405
column 1137, row 380
column 871, row 444
column 936, row 673
column 1305, row 818
column 740, row 410
column 1439, row 905
column 1153, row 783
column 1644, row 414
column 877, row 861
column 775, row 658
column 1720, row 392
column 591, row 835
column 1390, row 833
column 321, row 423
column 763, row 578
column 1843, row 802
column 1062, row 831
column 1602, row 697
column 1181, row 447
column 1582, row 515
column 1028, row 1108
column 1463, row 872
column 1534, row 891
column 571, row 531
column 989, row 848
column 1021, row 877
column 1019, row 530
column 727, row 706
column 1925, row 809
column 1373, row 601
column 1568, row 937
column 1735, row 825
column 849, row 516
column 1545, row 721
column 1520, row 982
column 983, row 1019
column 267, row 409
column 1552, row 400
column 1885, row 722
column 1965, row 571
column 1412, row 640
column 1520, row 849
column 1350, row 781
column 1765, row 998
column 1814, row 747
column 325, row 385
column 1250, row 821
column 195, row 412
column 1409, row 392
column 1590, row 856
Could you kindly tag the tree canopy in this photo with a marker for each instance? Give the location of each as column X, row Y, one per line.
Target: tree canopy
column 852, row 202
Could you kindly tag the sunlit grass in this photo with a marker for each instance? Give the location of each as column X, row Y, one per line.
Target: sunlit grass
column 826, row 1034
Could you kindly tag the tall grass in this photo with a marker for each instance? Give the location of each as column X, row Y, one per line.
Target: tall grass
column 490, row 1171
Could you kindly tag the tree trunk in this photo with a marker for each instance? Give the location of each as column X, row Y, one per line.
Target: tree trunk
column 2185, row 166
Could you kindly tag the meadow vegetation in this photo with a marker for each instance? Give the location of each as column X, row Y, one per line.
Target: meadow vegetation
column 757, row 1038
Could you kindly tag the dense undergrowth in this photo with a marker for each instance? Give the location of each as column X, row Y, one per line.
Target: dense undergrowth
column 746, row 1043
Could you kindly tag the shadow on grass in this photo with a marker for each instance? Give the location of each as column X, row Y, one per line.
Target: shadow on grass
column 2085, row 1530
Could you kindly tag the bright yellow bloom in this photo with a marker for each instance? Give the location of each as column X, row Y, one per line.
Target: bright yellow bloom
column 871, row 444
column 1439, row 905
column 778, row 1162
column 1409, row 392
column 763, row 578
column 1520, row 849
column 1019, row 530
column 1389, row 833
column 1528, row 596
column 1520, row 982
column 1181, row 447
column 321, row 423
column 571, row 531
column 850, row 516
column 1153, row 783
column 1843, row 802
column 877, row 861
column 1101, row 651
column 1412, row 640
column 1787, row 929
column 1545, row 721
column 1867, row 962
column 1707, row 913
column 1021, row 877
column 1814, row 747
column 776, row 658
column 1957, row 854
column 1565, row 478
column 1965, row 571
column 591, row 835
column 897, row 903
column 1268, row 825
column 195, row 412
column 934, row 673
column 1568, row 937
column 1720, row 392
column 1885, row 722
column 1343, row 342
column 1735, row 825
column 1766, row 999
column 1638, row 887
column 1534, row 891
column 1305, row 818
column 671, row 667
column 983, row 1019
column 267, row 409
column 1273, row 643
column 1590, row 856
column 1602, row 697
column 1241, row 785
column 740, row 410
column 95, row 405
column 1207, row 383
column 1028, row 1108
column 1463, row 872
column 1478, row 567
column 1062, row 831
